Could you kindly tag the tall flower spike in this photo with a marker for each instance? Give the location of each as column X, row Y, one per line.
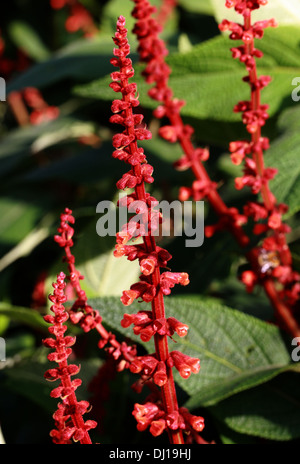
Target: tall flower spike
column 81, row 312
column 152, row 285
column 69, row 416
column 274, row 256
column 152, row 51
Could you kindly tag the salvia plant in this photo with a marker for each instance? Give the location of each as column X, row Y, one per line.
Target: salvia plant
column 126, row 335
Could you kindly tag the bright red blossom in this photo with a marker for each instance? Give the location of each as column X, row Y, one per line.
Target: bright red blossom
column 69, row 416
column 153, row 284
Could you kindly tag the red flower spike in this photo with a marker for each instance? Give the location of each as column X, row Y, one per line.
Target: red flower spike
column 151, row 415
column 256, row 176
column 69, row 418
column 152, row 285
column 81, row 312
column 153, row 51
column 250, row 279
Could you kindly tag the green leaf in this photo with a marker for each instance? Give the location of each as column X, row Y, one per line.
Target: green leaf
column 82, row 60
column 114, row 8
column 85, row 166
column 270, row 411
column 17, row 146
column 25, row 316
column 205, row 77
column 104, row 274
column 4, row 323
column 197, row 6
column 24, row 224
column 27, row 380
column 27, row 39
column 284, row 156
column 237, row 351
column 21, row 345
column 25, row 246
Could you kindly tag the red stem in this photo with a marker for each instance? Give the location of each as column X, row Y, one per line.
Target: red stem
column 168, row 391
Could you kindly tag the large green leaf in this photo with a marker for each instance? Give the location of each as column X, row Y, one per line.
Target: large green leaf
column 271, row 411
column 25, row 316
column 24, row 223
column 205, row 77
column 21, row 144
column 237, row 351
column 197, row 6
column 81, row 60
column 27, row 380
column 284, row 156
column 104, row 275
column 27, row 39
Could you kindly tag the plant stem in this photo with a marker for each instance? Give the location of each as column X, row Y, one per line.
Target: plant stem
column 168, row 391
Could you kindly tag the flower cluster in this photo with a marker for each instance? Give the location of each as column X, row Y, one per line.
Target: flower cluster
column 29, row 107
column 146, row 327
column 79, row 18
column 243, row 6
column 274, row 257
column 152, row 415
column 153, row 52
column 41, row 111
column 152, row 285
column 81, row 312
column 69, row 415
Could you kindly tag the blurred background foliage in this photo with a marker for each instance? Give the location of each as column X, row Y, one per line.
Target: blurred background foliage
column 248, row 387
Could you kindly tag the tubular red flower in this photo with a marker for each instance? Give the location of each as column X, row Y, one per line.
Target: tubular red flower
column 69, row 417
column 184, row 364
column 153, row 416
